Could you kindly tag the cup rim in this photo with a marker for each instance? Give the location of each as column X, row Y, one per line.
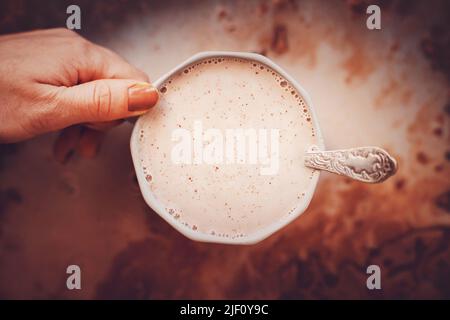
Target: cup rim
column 265, row 232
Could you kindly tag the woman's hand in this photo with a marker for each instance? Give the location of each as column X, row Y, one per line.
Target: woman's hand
column 54, row 79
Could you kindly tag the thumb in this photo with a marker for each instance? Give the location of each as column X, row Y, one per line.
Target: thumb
column 105, row 100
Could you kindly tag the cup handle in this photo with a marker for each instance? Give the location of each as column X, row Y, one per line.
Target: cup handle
column 366, row 164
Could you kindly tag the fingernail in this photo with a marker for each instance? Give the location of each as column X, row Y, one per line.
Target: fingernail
column 142, row 96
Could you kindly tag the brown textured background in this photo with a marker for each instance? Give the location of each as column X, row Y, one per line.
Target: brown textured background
column 388, row 88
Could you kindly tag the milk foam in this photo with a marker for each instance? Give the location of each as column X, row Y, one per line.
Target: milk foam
column 229, row 200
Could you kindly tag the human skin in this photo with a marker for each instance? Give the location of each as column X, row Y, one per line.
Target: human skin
column 54, row 79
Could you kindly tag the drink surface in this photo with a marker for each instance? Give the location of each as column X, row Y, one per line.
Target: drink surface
column 223, row 150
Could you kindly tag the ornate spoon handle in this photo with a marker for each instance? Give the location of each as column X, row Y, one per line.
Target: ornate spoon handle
column 366, row 164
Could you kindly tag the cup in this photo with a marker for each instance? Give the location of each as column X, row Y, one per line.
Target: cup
column 367, row 164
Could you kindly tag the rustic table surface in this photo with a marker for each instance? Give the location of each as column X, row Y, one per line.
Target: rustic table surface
column 388, row 88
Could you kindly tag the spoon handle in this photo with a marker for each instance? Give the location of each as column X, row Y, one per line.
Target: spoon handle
column 366, row 164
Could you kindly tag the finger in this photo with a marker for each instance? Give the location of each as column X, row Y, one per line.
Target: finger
column 66, row 143
column 89, row 143
column 103, row 100
column 118, row 68
column 102, row 63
